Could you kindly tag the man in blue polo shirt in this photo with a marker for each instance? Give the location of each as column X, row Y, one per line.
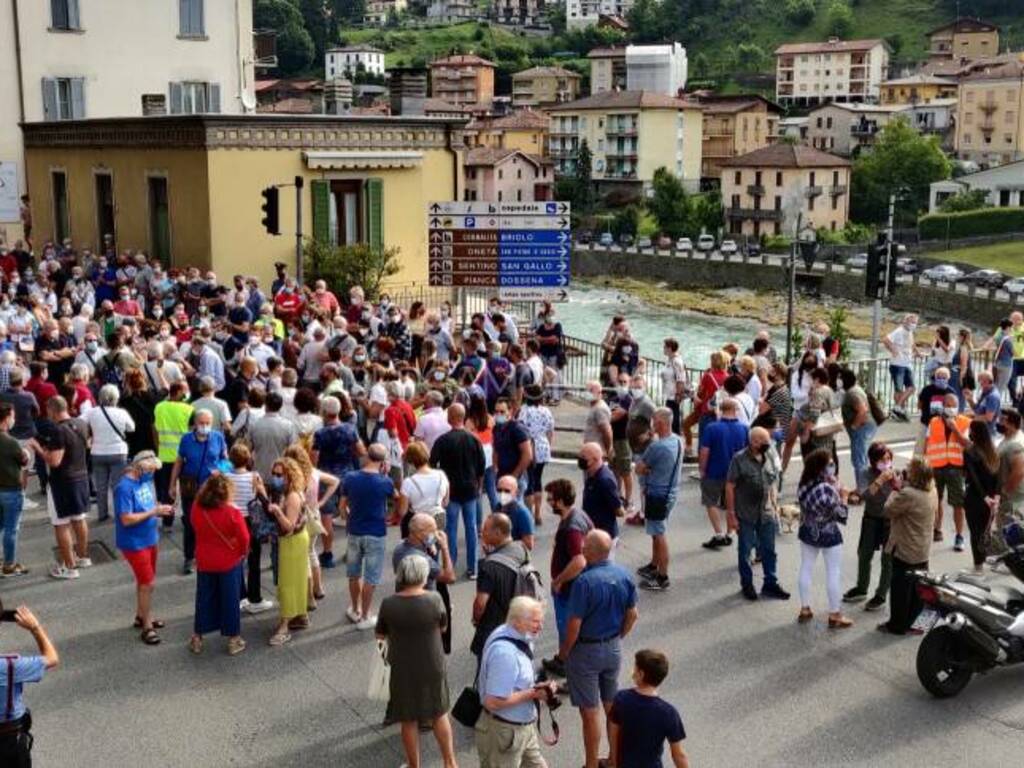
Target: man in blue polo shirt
column 15, row 671
column 601, row 499
column 602, row 611
column 987, row 401
column 719, row 442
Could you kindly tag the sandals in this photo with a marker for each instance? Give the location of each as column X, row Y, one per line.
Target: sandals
column 157, row 623
column 299, row 622
column 150, row 637
column 235, row 646
column 278, row 639
column 805, row 615
column 195, row 644
column 838, row 621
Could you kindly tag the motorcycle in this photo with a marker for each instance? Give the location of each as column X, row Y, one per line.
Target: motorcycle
column 972, row 626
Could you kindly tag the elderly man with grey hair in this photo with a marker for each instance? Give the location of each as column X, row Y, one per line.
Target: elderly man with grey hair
column 108, row 427
column 209, row 401
column 364, row 502
column 659, row 466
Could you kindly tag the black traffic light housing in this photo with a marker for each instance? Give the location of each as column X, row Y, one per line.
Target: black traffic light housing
column 270, row 220
column 875, row 274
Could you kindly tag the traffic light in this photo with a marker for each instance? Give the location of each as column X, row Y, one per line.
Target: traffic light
column 270, row 210
column 875, row 286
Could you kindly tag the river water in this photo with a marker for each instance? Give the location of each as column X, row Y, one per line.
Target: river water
column 589, row 311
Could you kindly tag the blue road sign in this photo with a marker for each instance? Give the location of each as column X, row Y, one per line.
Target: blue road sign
column 527, row 236
column 533, row 251
column 536, row 266
column 531, row 281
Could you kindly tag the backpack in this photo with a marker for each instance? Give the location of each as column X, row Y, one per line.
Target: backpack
column 528, row 579
column 109, row 371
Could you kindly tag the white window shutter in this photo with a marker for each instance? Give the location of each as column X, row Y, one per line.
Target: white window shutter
column 78, row 98
column 73, row 18
column 175, row 99
column 183, row 17
column 50, row 99
column 213, row 100
column 198, row 12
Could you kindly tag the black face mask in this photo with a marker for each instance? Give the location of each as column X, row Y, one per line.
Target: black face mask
column 582, row 464
column 763, row 448
column 1001, row 429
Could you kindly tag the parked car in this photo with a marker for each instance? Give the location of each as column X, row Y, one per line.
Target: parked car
column 584, row 237
column 857, row 261
column 706, row 243
column 684, row 244
column 644, row 242
column 625, row 240
column 752, row 249
column 907, row 266
column 1016, row 285
column 606, row 239
column 943, row 273
column 664, row 242
column 985, row 278
column 728, row 247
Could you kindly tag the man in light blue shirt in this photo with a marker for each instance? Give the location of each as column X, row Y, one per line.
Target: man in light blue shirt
column 15, row 671
column 506, row 686
column 659, row 466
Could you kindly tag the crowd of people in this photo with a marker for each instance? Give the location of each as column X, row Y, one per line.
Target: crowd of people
column 264, row 422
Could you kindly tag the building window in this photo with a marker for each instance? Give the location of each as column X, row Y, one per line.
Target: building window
column 835, row 202
column 501, row 174
column 61, row 219
column 63, row 98
column 190, row 14
column 191, row 98
column 828, row 123
column 1010, row 117
column 64, row 15
column 757, row 178
column 835, row 178
column 735, row 201
column 778, row 202
column 159, row 219
column 105, row 224
column 739, row 177
column 499, row 195
column 778, row 178
column 967, row 138
column 968, row 118
column 519, row 195
column 833, row 224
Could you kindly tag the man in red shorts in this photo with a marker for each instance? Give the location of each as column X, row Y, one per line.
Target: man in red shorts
column 135, row 517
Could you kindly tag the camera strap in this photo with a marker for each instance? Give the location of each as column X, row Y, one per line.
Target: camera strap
column 555, row 732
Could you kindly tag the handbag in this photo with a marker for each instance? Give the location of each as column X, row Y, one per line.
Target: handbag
column 657, row 509
column 190, row 485
column 379, row 687
column 828, row 424
column 264, row 525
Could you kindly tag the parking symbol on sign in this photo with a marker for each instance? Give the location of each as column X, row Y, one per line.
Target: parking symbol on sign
column 551, row 208
column 470, row 221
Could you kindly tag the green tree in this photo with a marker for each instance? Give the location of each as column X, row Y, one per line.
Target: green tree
column 294, row 45
column 343, row 266
column 839, row 21
column 647, row 21
column 669, row 204
column 349, row 11
column 902, row 162
column 317, row 17
column 968, row 200
column 584, row 178
column 800, row 12
column 626, row 221
column 750, row 57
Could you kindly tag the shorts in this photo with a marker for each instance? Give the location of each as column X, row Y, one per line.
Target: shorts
column 902, row 377
column 534, row 478
column 712, row 492
column 365, row 558
column 623, row 461
column 592, row 673
column 67, row 502
column 143, row 564
column 951, row 480
column 655, row 527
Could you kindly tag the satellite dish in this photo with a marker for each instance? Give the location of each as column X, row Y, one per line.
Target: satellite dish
column 248, row 101
column 599, row 165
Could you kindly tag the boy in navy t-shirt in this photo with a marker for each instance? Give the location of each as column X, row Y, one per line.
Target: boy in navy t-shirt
column 640, row 722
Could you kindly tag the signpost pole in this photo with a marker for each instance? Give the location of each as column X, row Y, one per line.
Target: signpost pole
column 299, row 271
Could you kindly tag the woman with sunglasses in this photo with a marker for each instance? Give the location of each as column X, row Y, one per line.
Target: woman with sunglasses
column 288, row 490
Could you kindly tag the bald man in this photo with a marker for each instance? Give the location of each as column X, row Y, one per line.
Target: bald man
column 750, row 506
column 601, row 499
column 459, row 454
column 602, row 611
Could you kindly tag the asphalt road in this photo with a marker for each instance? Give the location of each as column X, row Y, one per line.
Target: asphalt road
column 754, row 687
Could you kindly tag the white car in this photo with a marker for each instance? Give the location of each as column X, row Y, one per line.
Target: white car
column 706, row 243
column 1016, row 285
column 684, row 244
column 943, row 273
column 728, row 247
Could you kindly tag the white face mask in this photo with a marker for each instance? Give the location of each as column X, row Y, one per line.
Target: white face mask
column 636, row 392
column 504, row 497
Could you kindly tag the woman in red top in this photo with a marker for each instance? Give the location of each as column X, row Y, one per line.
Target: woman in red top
column 710, row 383
column 222, row 542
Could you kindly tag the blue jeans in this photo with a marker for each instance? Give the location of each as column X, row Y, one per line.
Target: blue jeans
column 860, row 441
column 761, row 535
column 468, row 511
column 491, row 491
column 560, row 601
column 11, row 503
column 106, row 474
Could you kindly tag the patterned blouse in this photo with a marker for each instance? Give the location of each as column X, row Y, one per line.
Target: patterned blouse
column 822, row 511
column 538, row 421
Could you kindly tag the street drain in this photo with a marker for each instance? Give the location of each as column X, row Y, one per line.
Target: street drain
column 99, row 553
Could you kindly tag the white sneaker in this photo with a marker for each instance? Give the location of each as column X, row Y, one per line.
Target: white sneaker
column 260, row 607
column 83, row 562
column 353, row 615
column 29, row 504
column 243, row 604
column 370, row 622
column 59, row 571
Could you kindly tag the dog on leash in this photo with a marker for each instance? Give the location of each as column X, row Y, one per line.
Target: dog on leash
column 789, row 515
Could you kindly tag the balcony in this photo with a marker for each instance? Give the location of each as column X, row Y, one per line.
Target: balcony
column 786, row 63
column 621, row 154
column 621, row 174
column 562, row 131
column 988, row 107
column 754, row 214
column 622, row 130
column 755, row 190
column 814, row 191
column 563, row 152
column 837, row 190
column 863, row 130
column 264, row 44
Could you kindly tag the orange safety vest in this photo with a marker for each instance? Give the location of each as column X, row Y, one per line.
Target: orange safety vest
column 940, row 451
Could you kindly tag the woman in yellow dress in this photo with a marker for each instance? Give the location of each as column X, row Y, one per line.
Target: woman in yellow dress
column 287, row 490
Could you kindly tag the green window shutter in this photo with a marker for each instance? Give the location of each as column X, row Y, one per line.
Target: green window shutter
column 375, row 213
column 321, row 210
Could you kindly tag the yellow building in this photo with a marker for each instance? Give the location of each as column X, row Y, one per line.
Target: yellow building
column 630, row 135
column 607, row 69
column 187, row 188
column 963, row 39
column 765, row 191
column 462, row 79
column 525, row 130
column 735, row 125
column 917, row 89
column 540, row 86
column 990, row 111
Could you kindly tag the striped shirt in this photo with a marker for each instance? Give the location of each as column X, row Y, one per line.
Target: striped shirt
column 243, row 493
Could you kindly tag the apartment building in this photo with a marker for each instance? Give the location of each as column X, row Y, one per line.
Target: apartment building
column 844, row 129
column 807, row 74
column 765, row 191
column 507, row 175
column 607, row 69
column 523, row 13
column 378, row 11
column 656, row 68
column 630, row 134
column 541, row 86
column 587, row 13
column 452, row 11
column 917, row 89
column 990, row 111
column 72, row 59
column 524, row 129
column 1003, row 186
column 963, row 39
column 462, row 79
column 735, row 125
column 346, row 61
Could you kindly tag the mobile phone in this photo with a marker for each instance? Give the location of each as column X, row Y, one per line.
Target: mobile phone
column 11, row 616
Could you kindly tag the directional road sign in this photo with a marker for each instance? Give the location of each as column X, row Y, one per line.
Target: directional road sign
column 522, row 249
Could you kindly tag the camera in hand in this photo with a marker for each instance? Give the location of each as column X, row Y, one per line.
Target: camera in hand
column 552, row 693
column 6, row 615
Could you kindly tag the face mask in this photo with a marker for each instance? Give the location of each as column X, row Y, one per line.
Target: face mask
column 830, row 471
column 359, row 358
column 430, row 541
column 505, row 498
column 1001, row 429
column 204, row 429
column 627, row 350
column 912, row 327
column 277, row 484
column 582, row 464
column 636, row 392
column 590, row 397
column 158, row 312
column 941, row 383
column 438, row 375
column 445, row 313
column 622, row 391
column 763, row 448
column 530, row 636
column 91, row 346
column 500, row 418
column 950, row 413
column 883, row 466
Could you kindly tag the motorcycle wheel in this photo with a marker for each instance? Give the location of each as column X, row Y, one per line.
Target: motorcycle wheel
column 939, row 669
